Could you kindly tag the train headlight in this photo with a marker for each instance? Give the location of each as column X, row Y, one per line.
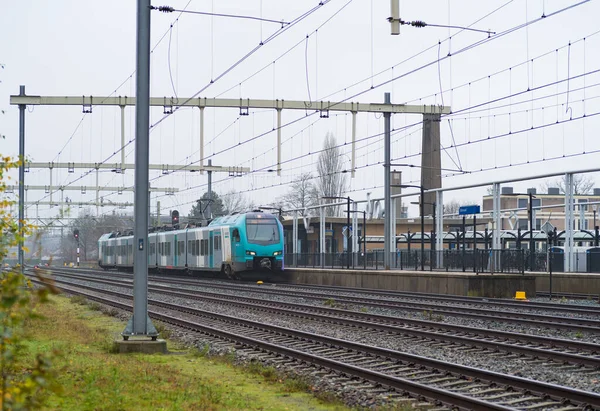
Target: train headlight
column 276, row 253
column 248, row 252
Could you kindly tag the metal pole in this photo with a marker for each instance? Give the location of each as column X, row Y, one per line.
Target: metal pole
column 433, row 238
column 531, row 241
column 208, row 207
column 439, row 234
column 348, row 237
column 463, row 245
column 550, row 273
column 140, row 323
column 387, row 232
column 422, row 231
column 364, row 233
column 475, row 243
column 295, row 240
column 21, row 175
column 77, row 251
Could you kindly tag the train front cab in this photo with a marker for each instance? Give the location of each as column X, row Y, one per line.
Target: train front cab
column 261, row 239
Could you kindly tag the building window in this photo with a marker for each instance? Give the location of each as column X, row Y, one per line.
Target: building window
column 523, row 224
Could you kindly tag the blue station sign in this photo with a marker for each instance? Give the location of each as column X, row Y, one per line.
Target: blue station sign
column 472, row 209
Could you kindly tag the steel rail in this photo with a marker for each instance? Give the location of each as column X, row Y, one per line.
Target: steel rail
column 366, row 321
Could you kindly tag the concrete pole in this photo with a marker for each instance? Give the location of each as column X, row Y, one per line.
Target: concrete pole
column 387, row 223
column 140, row 323
column 209, row 206
column 201, row 136
column 157, row 214
column 278, row 142
column 97, row 193
column 21, row 173
column 431, row 160
column 122, row 139
column 50, row 190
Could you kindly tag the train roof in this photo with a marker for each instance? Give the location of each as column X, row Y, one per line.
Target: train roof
column 233, row 219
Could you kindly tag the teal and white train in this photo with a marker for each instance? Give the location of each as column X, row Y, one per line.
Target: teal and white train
column 233, row 245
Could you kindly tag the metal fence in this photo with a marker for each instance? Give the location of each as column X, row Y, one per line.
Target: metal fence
column 478, row 261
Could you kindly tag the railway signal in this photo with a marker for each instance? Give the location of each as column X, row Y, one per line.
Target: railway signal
column 175, row 217
column 76, row 235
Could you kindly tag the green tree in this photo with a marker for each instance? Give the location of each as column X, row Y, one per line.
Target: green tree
column 199, row 210
column 23, row 385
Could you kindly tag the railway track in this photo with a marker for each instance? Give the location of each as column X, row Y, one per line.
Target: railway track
column 563, row 321
column 439, row 382
column 428, row 332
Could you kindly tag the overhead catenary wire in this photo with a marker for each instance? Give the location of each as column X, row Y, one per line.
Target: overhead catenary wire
column 270, row 38
column 563, row 9
column 243, row 58
column 169, row 9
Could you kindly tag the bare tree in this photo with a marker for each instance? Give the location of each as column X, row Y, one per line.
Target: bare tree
column 582, row 184
column 90, row 229
column 236, row 202
column 331, row 182
column 302, row 194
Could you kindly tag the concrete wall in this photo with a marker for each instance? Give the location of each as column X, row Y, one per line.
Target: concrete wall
column 569, row 283
column 483, row 285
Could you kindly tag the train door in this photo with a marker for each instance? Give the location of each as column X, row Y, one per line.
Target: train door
column 217, row 249
column 226, row 246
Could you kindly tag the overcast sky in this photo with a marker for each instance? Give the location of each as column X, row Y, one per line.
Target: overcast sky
column 88, row 48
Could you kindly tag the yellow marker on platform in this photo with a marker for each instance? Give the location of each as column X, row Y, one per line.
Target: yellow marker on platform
column 259, row 282
column 520, row 295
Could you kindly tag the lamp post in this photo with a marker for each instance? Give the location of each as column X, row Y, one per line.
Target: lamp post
column 422, row 221
column 531, row 226
column 594, row 209
column 434, row 228
column 349, row 248
column 364, row 234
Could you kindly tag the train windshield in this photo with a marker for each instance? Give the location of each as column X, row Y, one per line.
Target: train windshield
column 262, row 231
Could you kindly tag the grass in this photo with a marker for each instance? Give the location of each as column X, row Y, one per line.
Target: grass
column 94, row 378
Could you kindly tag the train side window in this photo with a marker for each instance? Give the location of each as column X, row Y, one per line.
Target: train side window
column 236, row 235
column 216, row 242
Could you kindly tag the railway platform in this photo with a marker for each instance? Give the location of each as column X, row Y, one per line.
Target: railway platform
column 454, row 283
column 497, row 285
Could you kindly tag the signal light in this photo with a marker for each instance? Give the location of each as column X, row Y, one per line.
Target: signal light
column 175, row 217
column 76, row 233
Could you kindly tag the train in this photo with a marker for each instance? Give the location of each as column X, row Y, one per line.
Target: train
column 235, row 245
